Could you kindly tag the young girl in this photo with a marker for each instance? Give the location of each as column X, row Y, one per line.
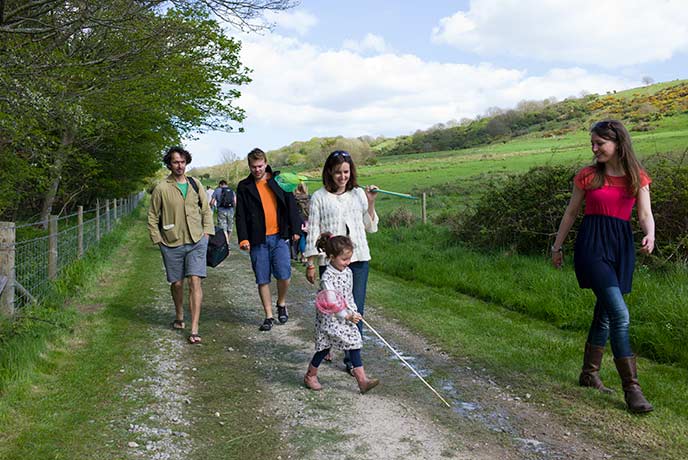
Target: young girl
column 338, row 330
column 604, row 254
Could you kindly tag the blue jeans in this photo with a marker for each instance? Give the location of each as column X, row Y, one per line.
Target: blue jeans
column 302, row 242
column 611, row 320
column 360, row 271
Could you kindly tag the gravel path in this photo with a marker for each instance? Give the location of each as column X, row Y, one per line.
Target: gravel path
column 399, row 419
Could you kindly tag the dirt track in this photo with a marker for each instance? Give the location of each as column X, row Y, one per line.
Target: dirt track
column 399, row 419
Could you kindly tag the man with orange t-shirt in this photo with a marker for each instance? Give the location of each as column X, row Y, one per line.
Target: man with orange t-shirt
column 266, row 218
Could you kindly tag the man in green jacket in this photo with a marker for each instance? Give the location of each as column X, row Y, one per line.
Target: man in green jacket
column 179, row 222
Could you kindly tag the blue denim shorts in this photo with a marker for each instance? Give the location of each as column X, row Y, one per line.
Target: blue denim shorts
column 271, row 258
column 185, row 260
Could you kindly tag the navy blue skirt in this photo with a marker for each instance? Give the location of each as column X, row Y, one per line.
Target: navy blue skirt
column 604, row 254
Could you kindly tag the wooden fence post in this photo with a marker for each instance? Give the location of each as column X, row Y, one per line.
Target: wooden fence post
column 52, row 247
column 114, row 209
column 7, row 270
column 107, row 216
column 423, row 209
column 97, row 219
column 80, row 231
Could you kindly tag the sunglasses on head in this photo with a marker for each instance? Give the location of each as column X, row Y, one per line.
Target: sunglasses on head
column 340, row 153
column 604, row 125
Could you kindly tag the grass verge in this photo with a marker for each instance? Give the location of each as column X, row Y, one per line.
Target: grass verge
column 70, row 398
column 535, row 357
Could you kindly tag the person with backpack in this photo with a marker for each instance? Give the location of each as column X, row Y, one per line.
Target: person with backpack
column 224, row 199
column 180, row 222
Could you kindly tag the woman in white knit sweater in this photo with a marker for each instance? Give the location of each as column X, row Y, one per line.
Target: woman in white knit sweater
column 341, row 207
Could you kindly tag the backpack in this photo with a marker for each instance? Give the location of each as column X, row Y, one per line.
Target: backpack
column 226, row 198
column 218, row 249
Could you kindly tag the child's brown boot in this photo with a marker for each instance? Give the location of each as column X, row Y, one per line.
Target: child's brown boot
column 311, row 378
column 364, row 383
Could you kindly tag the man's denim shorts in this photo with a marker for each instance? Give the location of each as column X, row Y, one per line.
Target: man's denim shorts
column 271, row 258
column 185, row 260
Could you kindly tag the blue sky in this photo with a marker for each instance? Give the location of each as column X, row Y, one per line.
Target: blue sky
column 381, row 67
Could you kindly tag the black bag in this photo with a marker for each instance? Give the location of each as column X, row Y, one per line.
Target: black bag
column 218, row 246
column 218, row 249
column 226, row 198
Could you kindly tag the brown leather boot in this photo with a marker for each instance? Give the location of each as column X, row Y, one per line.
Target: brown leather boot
column 633, row 395
column 590, row 375
column 364, row 383
column 311, row 378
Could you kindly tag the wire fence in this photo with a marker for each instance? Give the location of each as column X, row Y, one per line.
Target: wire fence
column 29, row 266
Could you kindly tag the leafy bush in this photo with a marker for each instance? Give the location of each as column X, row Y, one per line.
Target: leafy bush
column 670, row 205
column 400, row 217
column 521, row 212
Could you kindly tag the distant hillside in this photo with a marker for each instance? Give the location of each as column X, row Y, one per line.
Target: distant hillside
column 638, row 108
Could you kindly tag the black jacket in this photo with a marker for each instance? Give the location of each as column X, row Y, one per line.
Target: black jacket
column 250, row 219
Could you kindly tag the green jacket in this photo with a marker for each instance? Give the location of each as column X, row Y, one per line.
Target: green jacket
column 173, row 220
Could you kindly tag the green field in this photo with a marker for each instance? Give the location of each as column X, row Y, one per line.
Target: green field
column 454, row 177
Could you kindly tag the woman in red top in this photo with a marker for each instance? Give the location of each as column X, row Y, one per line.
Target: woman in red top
column 604, row 253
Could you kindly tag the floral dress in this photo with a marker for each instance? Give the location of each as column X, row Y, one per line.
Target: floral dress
column 333, row 331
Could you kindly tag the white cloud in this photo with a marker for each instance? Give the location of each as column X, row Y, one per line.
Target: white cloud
column 370, row 42
column 610, row 33
column 300, row 87
column 299, row 21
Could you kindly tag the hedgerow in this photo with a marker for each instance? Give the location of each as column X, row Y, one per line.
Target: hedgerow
column 519, row 212
column 522, row 212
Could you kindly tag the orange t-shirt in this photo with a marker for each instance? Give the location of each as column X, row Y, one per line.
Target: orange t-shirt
column 269, row 200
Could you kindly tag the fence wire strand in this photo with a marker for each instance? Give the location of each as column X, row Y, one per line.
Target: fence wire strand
column 31, row 256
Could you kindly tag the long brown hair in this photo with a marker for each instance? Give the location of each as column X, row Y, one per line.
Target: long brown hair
column 333, row 160
column 615, row 131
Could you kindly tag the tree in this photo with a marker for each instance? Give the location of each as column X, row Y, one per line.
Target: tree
column 232, row 167
column 647, row 80
column 91, row 91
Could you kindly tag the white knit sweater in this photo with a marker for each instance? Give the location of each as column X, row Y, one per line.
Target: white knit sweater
column 337, row 213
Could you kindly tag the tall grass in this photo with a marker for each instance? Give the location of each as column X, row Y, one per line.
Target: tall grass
column 24, row 338
column 529, row 285
column 540, row 362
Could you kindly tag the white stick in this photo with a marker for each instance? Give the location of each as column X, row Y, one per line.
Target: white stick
column 404, row 361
